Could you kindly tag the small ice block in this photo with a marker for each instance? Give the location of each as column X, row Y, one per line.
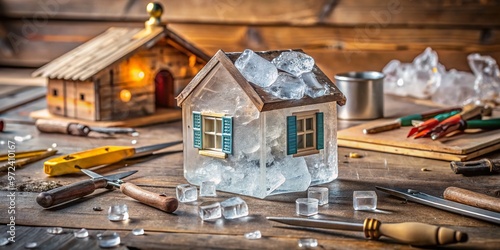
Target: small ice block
column 207, row 189
column 306, row 206
column 186, row 193
column 210, row 210
column 82, row 233
column 4, row 241
column 55, row 230
column 109, row 239
column 31, row 245
column 364, row 200
column 118, row 212
column 234, row 208
column 308, row 242
column 138, row 231
column 320, row 193
column 253, row 235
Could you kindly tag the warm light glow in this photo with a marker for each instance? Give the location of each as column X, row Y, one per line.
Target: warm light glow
column 137, row 74
column 125, row 95
column 140, row 75
column 192, row 61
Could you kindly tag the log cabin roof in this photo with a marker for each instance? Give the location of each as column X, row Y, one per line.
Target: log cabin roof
column 111, row 46
column 262, row 100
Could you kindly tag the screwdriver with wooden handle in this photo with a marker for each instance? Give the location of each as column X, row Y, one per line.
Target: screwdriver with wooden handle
column 413, row 233
column 73, row 128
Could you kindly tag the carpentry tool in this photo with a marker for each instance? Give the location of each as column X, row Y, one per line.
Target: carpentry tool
column 23, row 158
column 450, row 206
column 160, row 201
column 72, row 163
column 406, row 121
column 79, row 129
column 4, row 122
column 426, row 126
column 483, row 166
column 469, row 112
column 78, row 189
column 413, row 233
column 447, row 128
column 471, row 198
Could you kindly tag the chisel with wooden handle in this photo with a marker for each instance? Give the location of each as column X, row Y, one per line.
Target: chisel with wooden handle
column 413, row 233
column 73, row 128
column 77, row 190
column 471, row 198
column 159, row 201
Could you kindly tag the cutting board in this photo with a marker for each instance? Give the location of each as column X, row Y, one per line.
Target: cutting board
column 461, row 146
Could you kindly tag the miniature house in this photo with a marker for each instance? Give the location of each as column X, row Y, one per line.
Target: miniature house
column 122, row 73
column 252, row 143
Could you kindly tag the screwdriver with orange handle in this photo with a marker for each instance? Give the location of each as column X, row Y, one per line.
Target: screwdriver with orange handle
column 72, row 163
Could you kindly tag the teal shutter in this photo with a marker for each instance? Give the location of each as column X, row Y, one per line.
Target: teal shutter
column 197, row 134
column 320, row 131
column 227, row 134
column 291, row 135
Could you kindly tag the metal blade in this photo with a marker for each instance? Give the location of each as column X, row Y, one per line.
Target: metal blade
column 301, row 222
column 141, row 151
column 113, row 177
column 109, row 130
column 450, row 206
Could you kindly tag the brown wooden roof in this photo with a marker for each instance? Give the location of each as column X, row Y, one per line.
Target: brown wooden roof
column 262, row 100
column 107, row 48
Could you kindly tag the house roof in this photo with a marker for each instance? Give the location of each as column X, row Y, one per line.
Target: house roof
column 109, row 47
column 263, row 100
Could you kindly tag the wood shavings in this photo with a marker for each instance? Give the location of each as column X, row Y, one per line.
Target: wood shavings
column 354, row 155
column 37, row 186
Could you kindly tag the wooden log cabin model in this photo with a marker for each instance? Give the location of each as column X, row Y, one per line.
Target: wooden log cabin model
column 260, row 123
column 122, row 73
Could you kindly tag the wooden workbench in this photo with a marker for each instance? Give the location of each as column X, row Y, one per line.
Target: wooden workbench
column 185, row 230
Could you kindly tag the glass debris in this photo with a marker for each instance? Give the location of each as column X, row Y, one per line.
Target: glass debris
column 234, row 207
column 55, row 230
column 253, row 235
column 210, row 210
column 208, row 189
column 308, row 242
column 109, row 239
column 364, row 200
column 4, row 241
column 256, row 69
column 118, row 212
column 133, row 142
column 186, row 193
column 82, row 233
column 138, row 231
column 306, row 206
column 31, row 245
column 319, row 193
column 23, row 138
column 54, row 145
column 97, row 208
column 135, row 134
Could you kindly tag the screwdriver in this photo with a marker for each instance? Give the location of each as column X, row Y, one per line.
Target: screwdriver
column 72, row 128
column 413, row 233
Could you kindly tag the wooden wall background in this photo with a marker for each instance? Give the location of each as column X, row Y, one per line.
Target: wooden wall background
column 342, row 35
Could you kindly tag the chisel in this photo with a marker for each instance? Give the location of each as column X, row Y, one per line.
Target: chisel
column 79, row 129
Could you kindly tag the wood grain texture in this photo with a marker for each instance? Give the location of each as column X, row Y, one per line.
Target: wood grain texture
column 472, row 198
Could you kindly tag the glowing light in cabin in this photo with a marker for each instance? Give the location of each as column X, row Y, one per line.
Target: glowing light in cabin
column 125, row 95
column 137, row 74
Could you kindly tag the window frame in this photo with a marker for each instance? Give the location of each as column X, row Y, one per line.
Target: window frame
column 302, row 117
column 212, row 152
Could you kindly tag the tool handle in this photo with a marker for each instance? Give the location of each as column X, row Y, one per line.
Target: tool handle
column 476, row 167
column 484, row 124
column 382, row 128
column 162, row 202
column 413, row 233
column 72, row 163
column 471, row 198
column 70, row 192
column 62, row 127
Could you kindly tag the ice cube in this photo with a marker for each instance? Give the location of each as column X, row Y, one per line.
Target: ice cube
column 234, row 208
column 82, row 233
column 4, row 241
column 55, row 230
column 138, row 231
column 210, row 210
column 306, row 206
column 109, row 239
column 287, row 87
column 364, row 200
column 308, row 242
column 186, row 193
column 320, row 193
column 207, row 189
column 294, row 62
column 256, row 69
column 118, row 212
column 487, row 83
column 253, row 235
column 31, row 245
column 313, row 87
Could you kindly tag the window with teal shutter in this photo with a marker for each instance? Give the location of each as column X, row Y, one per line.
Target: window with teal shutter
column 291, row 135
column 320, row 131
column 197, row 132
column 227, row 135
